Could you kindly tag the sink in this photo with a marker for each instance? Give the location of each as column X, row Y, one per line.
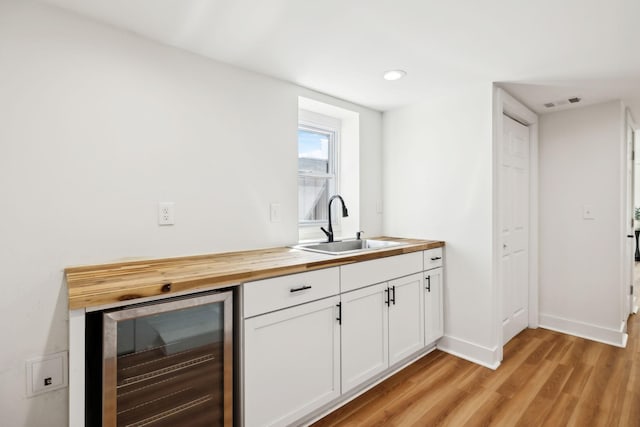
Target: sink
column 347, row 246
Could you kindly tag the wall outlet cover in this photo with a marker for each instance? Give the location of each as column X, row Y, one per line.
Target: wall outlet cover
column 274, row 213
column 47, row 373
column 166, row 213
column 587, row 212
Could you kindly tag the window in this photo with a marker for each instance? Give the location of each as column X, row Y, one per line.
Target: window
column 317, row 172
column 328, row 164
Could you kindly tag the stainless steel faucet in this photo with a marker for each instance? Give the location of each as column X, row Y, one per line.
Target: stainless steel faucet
column 329, row 232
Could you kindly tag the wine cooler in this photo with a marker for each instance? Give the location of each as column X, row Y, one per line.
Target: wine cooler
column 169, row 363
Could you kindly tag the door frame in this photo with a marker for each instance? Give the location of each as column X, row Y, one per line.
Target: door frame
column 636, row 137
column 504, row 103
column 628, row 271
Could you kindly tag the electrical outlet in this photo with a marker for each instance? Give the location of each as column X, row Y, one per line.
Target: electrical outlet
column 166, row 214
column 47, row 373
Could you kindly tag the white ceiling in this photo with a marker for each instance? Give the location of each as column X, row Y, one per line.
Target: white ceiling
column 543, row 50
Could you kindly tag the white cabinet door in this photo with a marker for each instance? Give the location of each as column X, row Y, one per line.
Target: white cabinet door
column 292, row 362
column 433, row 318
column 364, row 334
column 406, row 317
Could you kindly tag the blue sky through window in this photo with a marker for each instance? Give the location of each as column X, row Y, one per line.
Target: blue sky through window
column 312, row 145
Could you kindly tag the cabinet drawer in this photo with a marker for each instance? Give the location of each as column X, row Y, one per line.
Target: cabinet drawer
column 432, row 258
column 280, row 292
column 357, row 275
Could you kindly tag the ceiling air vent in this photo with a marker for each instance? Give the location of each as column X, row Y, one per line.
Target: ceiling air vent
column 561, row 102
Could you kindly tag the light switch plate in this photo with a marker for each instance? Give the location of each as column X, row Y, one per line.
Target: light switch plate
column 587, row 212
column 274, row 212
column 47, row 373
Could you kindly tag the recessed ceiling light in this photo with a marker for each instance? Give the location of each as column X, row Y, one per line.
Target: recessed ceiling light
column 394, row 75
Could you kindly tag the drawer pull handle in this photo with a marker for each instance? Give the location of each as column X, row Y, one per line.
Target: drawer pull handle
column 435, row 258
column 166, row 287
column 339, row 318
column 393, row 290
column 386, row 297
column 301, row 288
column 428, row 283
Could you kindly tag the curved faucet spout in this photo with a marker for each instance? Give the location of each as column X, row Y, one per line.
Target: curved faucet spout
column 345, row 212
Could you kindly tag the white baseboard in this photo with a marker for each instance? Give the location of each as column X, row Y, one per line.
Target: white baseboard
column 472, row 352
column 616, row 337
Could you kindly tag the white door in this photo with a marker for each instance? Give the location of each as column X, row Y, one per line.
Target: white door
column 292, row 362
column 514, row 227
column 433, row 316
column 406, row 317
column 364, row 335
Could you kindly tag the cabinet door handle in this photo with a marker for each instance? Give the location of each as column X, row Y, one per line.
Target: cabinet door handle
column 428, row 288
column 435, row 258
column 393, row 300
column 386, row 297
column 339, row 318
column 301, row 288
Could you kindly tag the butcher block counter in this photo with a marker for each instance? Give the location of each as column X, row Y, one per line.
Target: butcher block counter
column 98, row 285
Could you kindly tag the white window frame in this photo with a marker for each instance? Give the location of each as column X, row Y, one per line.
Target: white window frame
column 315, row 122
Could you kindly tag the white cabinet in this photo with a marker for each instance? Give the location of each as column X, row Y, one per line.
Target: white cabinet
column 310, row 337
column 291, row 355
column 433, row 313
column 273, row 294
column 365, row 273
column 406, row 314
column 292, row 362
column 381, row 323
column 432, row 258
column 365, row 343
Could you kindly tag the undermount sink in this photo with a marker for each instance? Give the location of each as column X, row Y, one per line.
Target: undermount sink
column 347, row 246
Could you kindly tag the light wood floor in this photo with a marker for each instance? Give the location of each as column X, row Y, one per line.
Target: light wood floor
column 546, row 379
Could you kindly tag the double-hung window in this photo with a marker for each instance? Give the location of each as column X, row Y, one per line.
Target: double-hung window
column 317, row 172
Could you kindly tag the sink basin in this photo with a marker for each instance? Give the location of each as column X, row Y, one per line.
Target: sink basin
column 347, row 246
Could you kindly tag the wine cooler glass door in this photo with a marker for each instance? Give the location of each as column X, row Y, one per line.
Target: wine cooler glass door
column 169, row 364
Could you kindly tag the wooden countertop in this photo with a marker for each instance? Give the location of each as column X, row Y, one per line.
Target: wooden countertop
column 97, row 285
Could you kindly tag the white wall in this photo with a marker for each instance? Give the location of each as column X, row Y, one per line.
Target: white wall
column 581, row 152
column 96, row 127
column 437, row 185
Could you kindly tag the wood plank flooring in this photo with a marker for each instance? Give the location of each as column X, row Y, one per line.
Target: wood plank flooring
column 546, row 379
